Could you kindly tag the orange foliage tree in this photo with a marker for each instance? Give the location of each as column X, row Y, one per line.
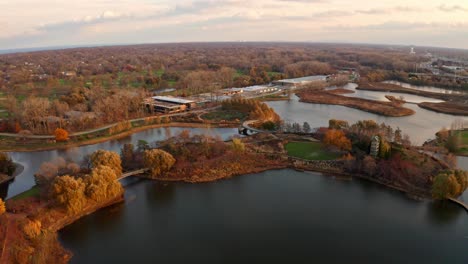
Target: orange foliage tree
column 61, row 134
column 337, row 138
column 2, row 207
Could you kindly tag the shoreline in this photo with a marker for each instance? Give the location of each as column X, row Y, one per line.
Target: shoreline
column 446, row 108
column 115, row 136
column 394, row 88
column 366, row 105
column 63, row 255
column 18, row 170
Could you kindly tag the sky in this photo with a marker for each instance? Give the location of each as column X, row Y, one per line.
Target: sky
column 43, row 23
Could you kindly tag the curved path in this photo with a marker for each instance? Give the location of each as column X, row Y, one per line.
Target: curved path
column 100, row 128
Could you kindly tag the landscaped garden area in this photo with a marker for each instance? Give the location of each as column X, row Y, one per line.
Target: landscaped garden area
column 310, row 151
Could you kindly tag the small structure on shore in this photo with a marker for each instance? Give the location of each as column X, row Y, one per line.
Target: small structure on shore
column 169, row 104
column 296, row 82
column 374, row 148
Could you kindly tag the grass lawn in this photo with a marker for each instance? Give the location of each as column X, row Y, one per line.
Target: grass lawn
column 310, row 151
column 464, row 137
column 34, row 191
column 271, row 74
column 223, row 115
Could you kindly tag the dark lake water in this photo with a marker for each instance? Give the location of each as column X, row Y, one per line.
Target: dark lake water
column 280, row 216
column 275, row 216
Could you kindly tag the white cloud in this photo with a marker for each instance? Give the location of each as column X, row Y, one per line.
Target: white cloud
column 49, row 22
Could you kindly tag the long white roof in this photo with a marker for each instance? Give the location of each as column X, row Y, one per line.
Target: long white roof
column 173, row 99
column 305, row 79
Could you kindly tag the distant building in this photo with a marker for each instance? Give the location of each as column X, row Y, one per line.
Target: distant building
column 295, row 82
column 231, row 91
column 258, row 89
column 168, row 104
column 412, row 52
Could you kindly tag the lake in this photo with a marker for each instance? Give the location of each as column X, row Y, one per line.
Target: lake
column 281, row 216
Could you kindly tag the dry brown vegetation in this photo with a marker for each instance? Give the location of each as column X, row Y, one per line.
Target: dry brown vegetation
column 381, row 108
column 202, row 158
column 451, row 108
column 388, row 87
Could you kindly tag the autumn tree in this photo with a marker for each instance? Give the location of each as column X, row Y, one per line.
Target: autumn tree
column 384, row 148
column 450, row 183
column 69, row 192
column 107, row 158
column 158, row 161
column 306, row 127
column 61, row 134
column 102, row 184
column 33, row 110
column 127, row 155
column 7, row 166
column 2, row 207
column 337, row 124
column 337, row 138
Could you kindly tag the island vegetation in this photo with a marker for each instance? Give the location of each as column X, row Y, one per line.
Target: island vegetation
column 329, row 97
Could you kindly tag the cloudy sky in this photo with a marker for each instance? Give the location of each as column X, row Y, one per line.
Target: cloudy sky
column 34, row 23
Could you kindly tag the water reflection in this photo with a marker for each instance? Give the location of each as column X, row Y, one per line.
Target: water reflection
column 275, row 216
column 444, row 212
column 32, row 160
column 420, row 127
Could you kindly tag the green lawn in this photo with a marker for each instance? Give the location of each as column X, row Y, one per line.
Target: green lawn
column 310, row 151
column 34, row 191
column 464, row 137
column 271, row 74
column 224, row 115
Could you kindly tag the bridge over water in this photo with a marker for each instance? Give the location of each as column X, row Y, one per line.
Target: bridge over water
column 246, row 127
column 460, row 203
column 133, row 173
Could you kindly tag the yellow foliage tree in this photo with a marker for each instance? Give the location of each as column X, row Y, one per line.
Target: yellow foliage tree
column 237, row 145
column 451, row 183
column 158, row 161
column 338, row 139
column 32, row 228
column 107, row 158
column 68, row 191
column 102, row 184
column 61, row 134
column 2, row 207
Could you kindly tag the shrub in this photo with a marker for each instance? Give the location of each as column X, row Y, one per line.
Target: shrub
column 61, row 134
column 2, row 207
column 238, row 145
